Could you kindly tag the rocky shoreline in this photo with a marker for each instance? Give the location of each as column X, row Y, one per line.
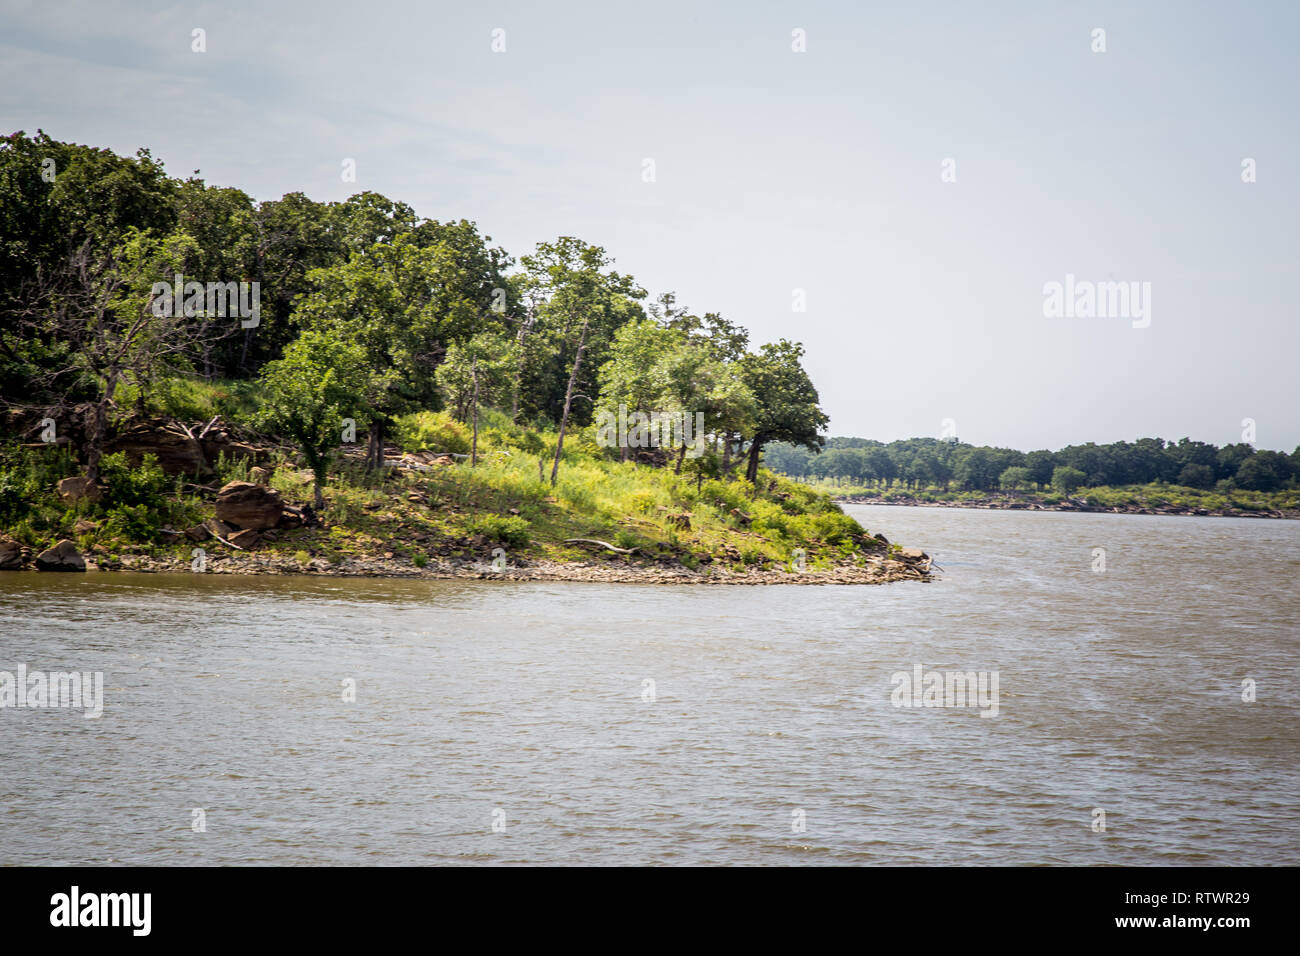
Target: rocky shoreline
column 907, row 565
column 1074, row 504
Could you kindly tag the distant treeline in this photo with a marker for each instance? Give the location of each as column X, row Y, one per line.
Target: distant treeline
column 933, row 462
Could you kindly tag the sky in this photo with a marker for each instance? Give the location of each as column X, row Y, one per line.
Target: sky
column 922, row 281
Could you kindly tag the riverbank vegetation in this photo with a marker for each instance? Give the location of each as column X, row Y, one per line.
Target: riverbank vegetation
column 372, row 383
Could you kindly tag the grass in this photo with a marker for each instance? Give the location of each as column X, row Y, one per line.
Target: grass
column 454, row 510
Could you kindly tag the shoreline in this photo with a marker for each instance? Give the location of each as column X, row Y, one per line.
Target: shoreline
column 1077, row 506
column 876, row 571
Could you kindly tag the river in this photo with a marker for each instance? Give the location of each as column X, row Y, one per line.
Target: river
column 499, row 723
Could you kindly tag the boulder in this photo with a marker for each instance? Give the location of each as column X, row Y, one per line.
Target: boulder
column 177, row 453
column 217, row 528
column 11, row 554
column 246, row 505
column 64, row 556
column 259, row 475
column 248, row 538
column 198, row 533
column 218, row 442
column 72, row 490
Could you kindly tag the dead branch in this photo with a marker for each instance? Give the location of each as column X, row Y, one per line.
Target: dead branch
column 603, row 544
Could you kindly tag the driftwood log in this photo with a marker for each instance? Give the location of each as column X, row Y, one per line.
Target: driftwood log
column 603, row 544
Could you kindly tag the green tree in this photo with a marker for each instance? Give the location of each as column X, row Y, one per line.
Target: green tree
column 477, row 372
column 786, row 402
column 1015, row 477
column 404, row 304
column 321, row 380
column 1067, row 480
column 579, row 302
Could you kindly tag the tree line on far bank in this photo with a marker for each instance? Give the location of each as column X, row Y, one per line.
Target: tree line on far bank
column 932, row 462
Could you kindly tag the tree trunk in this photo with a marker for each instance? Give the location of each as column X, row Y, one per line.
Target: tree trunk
column 375, row 446
column 99, row 430
column 755, row 448
column 473, row 448
column 568, row 400
column 680, row 455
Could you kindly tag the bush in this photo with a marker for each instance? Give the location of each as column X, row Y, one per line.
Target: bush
column 231, row 469
column 510, row 530
column 28, row 477
column 133, row 522
column 431, row 431
column 124, row 485
column 192, row 399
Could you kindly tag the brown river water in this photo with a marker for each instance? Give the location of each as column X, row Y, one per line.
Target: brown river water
column 567, row 723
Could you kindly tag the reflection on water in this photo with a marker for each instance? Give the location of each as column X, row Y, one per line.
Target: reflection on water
column 625, row 724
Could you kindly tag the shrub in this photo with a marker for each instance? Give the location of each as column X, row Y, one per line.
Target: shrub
column 132, row 522
column 431, row 431
column 123, row 485
column 510, row 530
column 231, row 469
column 28, row 477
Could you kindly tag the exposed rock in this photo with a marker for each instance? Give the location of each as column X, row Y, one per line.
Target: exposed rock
column 78, row 488
column 259, row 475
column 11, row 554
column 214, row 445
column 177, row 452
column 64, row 556
column 248, row 538
column 218, row 528
column 84, row 526
column 198, row 533
column 246, row 505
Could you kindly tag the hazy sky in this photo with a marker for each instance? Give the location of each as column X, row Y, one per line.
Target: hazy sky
column 777, row 170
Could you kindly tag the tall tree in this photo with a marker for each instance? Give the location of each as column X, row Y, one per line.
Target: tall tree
column 581, row 302
column 405, row 304
column 786, row 402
